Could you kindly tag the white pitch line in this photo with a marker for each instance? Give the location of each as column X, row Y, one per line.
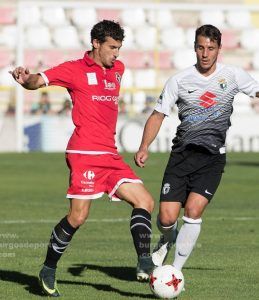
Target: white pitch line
column 52, row 221
column 119, row 220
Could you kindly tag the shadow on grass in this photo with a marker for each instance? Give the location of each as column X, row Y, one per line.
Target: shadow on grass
column 31, row 284
column 121, row 273
column 109, row 288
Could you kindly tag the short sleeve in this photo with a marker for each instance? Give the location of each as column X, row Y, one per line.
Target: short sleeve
column 61, row 75
column 246, row 84
column 168, row 97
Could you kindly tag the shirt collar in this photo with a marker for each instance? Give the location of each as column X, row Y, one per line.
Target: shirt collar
column 88, row 60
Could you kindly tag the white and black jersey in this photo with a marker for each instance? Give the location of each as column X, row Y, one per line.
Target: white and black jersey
column 205, row 104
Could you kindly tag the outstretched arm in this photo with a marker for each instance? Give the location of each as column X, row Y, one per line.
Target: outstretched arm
column 151, row 130
column 28, row 81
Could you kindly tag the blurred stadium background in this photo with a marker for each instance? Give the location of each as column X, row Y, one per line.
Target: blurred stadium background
column 159, row 42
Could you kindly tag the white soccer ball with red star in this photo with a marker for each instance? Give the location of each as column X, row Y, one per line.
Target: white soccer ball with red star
column 166, row 282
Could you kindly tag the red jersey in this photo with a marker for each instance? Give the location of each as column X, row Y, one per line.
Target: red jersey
column 95, row 93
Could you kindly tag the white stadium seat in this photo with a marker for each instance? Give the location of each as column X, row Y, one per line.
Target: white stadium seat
column 8, row 36
column 190, row 36
column 31, row 15
column 213, row 17
column 66, row 37
column 133, row 17
column 250, row 39
column 161, row 18
column 54, row 16
column 145, row 78
column 84, row 17
column 173, row 38
column 127, row 79
column 183, row 58
column 85, row 37
column 5, row 78
column 139, row 101
column 146, row 37
column 129, row 40
column 32, row 35
column 239, row 19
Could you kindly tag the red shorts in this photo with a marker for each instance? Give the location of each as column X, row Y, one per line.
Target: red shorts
column 93, row 175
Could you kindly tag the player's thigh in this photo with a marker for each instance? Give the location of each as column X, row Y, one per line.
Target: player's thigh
column 136, row 194
column 169, row 212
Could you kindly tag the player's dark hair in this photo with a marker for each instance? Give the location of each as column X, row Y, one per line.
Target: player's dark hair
column 107, row 28
column 210, row 32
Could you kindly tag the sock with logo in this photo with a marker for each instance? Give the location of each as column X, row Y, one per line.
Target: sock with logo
column 59, row 240
column 186, row 241
column 141, row 230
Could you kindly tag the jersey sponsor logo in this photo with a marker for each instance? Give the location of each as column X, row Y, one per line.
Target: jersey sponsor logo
column 103, row 98
column 223, row 84
column 89, row 175
column 207, row 100
column 166, row 188
column 118, row 77
column 91, row 78
column 109, row 85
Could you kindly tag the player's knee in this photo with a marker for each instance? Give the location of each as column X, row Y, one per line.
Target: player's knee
column 192, row 212
column 148, row 204
column 166, row 219
column 165, row 226
column 77, row 220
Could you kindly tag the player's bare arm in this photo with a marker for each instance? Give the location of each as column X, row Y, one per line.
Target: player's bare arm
column 26, row 79
column 151, row 130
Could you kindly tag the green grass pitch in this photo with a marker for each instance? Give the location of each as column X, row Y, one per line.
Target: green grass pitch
column 100, row 262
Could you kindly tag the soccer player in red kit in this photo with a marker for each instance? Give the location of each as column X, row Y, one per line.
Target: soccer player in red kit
column 93, row 83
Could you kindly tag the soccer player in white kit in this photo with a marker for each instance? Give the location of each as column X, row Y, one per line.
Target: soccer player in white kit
column 204, row 94
column 93, row 83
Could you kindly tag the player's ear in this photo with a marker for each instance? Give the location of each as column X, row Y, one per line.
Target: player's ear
column 96, row 43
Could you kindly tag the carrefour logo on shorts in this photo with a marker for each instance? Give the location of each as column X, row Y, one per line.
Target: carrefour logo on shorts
column 166, row 188
column 89, row 175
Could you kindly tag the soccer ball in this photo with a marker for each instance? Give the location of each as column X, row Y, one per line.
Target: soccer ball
column 166, row 282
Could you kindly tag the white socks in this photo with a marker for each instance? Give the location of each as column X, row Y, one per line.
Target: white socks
column 186, row 240
column 168, row 231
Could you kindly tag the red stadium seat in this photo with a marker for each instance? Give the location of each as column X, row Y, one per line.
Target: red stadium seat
column 165, row 60
column 108, row 14
column 137, row 59
column 31, row 58
column 50, row 58
column 7, row 15
column 230, row 39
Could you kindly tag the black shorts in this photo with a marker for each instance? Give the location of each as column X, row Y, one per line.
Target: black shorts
column 192, row 170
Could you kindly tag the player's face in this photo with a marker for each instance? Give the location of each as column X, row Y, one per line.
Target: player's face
column 106, row 53
column 207, row 52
